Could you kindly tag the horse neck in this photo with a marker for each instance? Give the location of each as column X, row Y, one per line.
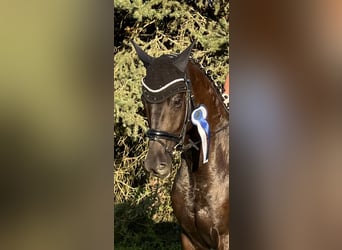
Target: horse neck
column 206, row 93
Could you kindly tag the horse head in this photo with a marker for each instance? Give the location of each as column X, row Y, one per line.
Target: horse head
column 166, row 99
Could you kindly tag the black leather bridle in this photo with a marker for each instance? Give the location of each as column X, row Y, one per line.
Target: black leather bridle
column 179, row 139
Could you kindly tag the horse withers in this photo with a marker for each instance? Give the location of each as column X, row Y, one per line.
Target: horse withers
column 186, row 113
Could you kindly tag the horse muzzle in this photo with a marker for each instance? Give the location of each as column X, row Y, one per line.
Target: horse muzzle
column 157, row 161
column 161, row 170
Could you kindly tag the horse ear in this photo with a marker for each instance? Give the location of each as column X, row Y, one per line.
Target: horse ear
column 182, row 59
column 144, row 57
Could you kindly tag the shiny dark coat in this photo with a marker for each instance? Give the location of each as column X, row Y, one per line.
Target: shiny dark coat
column 200, row 194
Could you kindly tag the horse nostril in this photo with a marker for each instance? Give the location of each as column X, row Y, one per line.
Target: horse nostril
column 162, row 165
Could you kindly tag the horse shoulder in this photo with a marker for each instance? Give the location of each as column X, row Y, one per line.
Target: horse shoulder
column 182, row 196
column 212, row 206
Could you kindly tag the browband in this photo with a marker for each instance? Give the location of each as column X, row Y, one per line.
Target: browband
column 158, row 95
column 162, row 88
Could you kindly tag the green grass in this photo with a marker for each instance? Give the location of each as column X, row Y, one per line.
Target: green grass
column 135, row 227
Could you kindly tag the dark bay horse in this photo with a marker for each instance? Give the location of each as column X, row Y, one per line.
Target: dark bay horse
column 186, row 113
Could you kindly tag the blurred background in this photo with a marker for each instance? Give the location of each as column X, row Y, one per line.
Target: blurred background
column 143, row 213
column 56, row 125
column 285, row 129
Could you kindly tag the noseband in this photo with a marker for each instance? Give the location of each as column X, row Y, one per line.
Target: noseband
column 158, row 135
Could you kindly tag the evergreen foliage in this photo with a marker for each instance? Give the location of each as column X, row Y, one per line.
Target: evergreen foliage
column 159, row 27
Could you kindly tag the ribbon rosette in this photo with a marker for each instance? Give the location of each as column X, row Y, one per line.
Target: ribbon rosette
column 198, row 118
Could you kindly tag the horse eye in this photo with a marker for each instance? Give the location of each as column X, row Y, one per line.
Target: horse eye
column 177, row 101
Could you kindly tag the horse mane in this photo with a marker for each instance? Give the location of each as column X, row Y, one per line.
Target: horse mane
column 216, row 86
column 208, row 73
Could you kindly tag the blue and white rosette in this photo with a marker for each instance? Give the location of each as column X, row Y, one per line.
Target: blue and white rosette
column 198, row 118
